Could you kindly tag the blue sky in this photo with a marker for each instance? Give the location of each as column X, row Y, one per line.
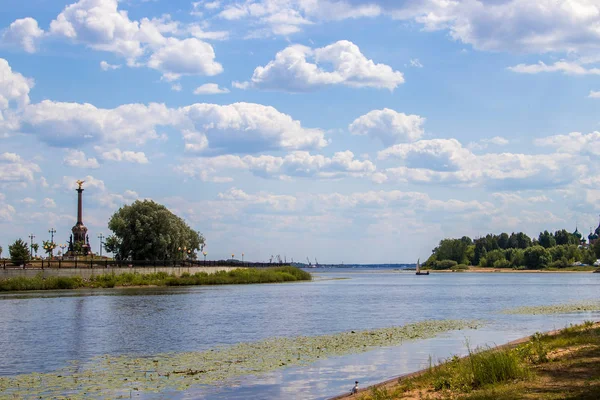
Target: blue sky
column 349, row 131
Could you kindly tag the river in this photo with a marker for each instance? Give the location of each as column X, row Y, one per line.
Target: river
column 45, row 331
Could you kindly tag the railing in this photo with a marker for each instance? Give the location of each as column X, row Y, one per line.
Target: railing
column 107, row 263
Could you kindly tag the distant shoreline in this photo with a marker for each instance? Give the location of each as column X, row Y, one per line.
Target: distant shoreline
column 483, row 270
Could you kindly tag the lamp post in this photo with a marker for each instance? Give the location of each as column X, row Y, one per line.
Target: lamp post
column 101, row 237
column 52, row 231
column 242, row 257
column 62, row 248
column 182, row 250
column 31, row 237
column 204, row 253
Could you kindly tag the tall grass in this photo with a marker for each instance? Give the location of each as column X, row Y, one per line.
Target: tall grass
column 233, row 277
column 480, row 368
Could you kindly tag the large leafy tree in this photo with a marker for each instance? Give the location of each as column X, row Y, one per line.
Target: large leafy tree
column 146, row 230
column 19, row 252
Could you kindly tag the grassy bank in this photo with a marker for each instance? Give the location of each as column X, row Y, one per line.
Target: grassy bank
column 561, row 365
column 234, row 277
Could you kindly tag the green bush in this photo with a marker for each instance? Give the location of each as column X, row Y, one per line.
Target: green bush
column 444, row 264
column 19, row 252
column 502, row 264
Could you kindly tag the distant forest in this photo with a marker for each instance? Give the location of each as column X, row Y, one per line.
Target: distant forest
column 517, row 250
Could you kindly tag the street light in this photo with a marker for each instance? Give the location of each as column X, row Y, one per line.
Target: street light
column 204, row 253
column 52, row 231
column 242, row 257
column 101, row 237
column 31, row 236
column 63, row 247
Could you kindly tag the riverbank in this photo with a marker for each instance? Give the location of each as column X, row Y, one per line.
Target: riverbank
column 556, row 365
column 233, row 277
column 580, row 270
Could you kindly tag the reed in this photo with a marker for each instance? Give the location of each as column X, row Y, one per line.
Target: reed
column 234, row 277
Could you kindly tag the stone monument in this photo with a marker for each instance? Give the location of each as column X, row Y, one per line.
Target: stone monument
column 79, row 230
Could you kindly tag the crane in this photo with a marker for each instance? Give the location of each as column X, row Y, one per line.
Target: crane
column 309, row 263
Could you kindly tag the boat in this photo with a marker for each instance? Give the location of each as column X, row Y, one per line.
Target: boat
column 419, row 272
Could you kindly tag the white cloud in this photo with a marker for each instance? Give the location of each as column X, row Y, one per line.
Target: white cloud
column 158, row 43
column 74, row 124
column 285, row 17
column 389, row 126
column 484, row 143
column 23, row 32
column 567, row 67
column 76, row 158
column 446, row 161
column 14, row 87
column 291, row 71
column 106, row 66
column 48, row 203
column 573, row 143
column 246, row 128
column 296, row 164
column 27, row 200
column 13, row 169
column 127, row 156
column 414, row 62
column 210, row 88
column 185, row 57
column 176, row 87
column 594, row 94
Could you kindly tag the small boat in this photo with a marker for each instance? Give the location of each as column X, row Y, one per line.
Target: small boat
column 419, row 269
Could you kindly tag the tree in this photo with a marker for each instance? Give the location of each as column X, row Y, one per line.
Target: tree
column 519, row 241
column 35, row 248
column 596, row 248
column 453, row 249
column 146, row 230
column 0, row 251
column 537, row 257
column 547, row 239
column 111, row 245
column 19, row 252
column 564, row 237
column 503, row 240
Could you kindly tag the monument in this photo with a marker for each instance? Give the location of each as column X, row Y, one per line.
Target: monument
column 79, row 238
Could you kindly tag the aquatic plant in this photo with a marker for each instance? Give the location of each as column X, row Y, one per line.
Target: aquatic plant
column 555, row 308
column 110, row 376
column 236, row 276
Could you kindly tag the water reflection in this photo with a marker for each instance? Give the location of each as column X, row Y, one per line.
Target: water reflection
column 44, row 331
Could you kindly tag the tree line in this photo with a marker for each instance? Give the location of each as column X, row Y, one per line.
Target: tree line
column 142, row 231
column 549, row 250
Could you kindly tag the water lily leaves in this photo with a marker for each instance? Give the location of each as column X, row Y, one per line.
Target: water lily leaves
column 112, row 376
column 555, row 309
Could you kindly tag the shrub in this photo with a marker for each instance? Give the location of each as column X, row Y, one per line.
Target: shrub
column 502, row 264
column 444, row 264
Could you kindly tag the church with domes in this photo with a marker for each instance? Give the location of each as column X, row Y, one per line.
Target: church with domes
column 592, row 237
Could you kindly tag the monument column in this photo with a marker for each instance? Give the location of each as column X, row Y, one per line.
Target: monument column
column 80, row 205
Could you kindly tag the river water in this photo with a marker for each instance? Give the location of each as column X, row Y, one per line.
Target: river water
column 45, row 331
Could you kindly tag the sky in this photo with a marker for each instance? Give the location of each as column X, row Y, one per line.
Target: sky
column 342, row 130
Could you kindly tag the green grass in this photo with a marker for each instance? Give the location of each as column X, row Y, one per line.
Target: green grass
column 233, row 277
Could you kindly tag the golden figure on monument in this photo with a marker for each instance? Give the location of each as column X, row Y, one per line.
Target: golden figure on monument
column 80, row 183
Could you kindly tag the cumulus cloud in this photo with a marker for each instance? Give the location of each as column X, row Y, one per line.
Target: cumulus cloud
column 48, row 203
column 14, row 87
column 159, row 43
column 388, row 126
column 210, row 88
column 127, row 156
column 292, row 71
column 245, row 128
column 575, row 143
column 484, row 143
column 185, row 57
column 446, row 161
column 296, row 164
column 77, row 159
column 74, row 124
column 14, row 169
column 23, row 32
